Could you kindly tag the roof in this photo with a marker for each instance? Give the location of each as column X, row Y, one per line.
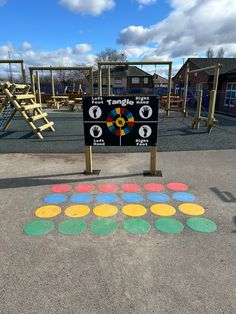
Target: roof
column 228, row 64
column 135, row 71
column 122, row 71
column 160, row 79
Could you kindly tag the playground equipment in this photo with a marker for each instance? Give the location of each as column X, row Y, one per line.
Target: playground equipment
column 210, row 120
column 18, row 98
column 35, row 78
column 21, row 62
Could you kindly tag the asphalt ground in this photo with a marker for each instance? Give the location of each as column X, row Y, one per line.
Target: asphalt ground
column 174, row 134
column 183, row 273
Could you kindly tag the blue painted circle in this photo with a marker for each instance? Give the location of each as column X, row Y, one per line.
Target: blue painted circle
column 157, row 197
column 81, row 198
column 183, row 197
column 132, row 197
column 56, row 198
column 107, row 198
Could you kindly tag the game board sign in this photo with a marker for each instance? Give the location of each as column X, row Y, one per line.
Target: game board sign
column 120, row 121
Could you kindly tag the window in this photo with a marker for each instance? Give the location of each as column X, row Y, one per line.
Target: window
column 230, row 97
column 145, row 80
column 135, row 80
column 117, row 80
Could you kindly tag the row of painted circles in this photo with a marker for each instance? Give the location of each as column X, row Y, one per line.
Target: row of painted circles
column 130, row 187
column 84, row 198
column 107, row 210
column 105, row 226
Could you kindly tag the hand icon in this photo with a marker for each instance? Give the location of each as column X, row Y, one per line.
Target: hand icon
column 96, row 131
column 145, row 112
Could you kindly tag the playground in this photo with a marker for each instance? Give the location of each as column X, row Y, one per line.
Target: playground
column 93, row 233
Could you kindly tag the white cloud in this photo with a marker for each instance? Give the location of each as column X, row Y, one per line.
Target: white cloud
column 146, row 2
column 93, row 7
column 191, row 27
column 26, row 45
column 2, row 2
column 83, row 48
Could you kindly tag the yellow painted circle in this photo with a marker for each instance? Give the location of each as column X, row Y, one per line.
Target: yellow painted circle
column 77, row 211
column 163, row 210
column 191, row 209
column 48, row 211
column 134, row 210
column 120, row 122
column 105, row 210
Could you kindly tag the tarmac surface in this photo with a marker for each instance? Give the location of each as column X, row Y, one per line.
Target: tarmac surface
column 189, row 272
column 174, row 134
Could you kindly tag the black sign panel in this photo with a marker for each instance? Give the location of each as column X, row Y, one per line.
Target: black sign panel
column 120, row 121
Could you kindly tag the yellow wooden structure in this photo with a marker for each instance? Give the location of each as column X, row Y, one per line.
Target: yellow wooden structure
column 18, row 98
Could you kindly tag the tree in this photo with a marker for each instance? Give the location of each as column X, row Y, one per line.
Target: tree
column 210, row 53
column 221, row 53
column 109, row 54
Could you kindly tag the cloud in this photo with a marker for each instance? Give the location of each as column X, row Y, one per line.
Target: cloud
column 146, row 2
column 2, row 2
column 26, row 45
column 92, row 7
column 83, row 48
column 191, row 27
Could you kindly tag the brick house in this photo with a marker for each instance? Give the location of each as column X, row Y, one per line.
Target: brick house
column 126, row 79
column 226, row 96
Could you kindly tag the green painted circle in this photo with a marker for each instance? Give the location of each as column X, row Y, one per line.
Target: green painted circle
column 72, row 226
column 38, row 227
column 103, row 226
column 169, row 225
column 136, row 226
column 201, row 225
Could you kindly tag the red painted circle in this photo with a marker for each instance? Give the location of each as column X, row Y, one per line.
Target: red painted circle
column 85, row 187
column 154, row 187
column 107, row 187
column 130, row 187
column 176, row 186
column 61, row 188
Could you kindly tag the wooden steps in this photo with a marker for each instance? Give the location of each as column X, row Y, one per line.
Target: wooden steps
column 45, row 126
column 23, row 96
column 38, row 117
column 30, row 107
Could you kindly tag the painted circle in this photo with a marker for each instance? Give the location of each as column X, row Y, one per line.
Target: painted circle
column 48, row 211
column 85, row 188
column 61, row 188
column 107, row 188
column 163, row 210
column 191, row 209
column 201, row 225
column 145, row 112
column 107, row 198
column 130, row 187
column 132, row 197
column 55, row 198
column 72, row 227
column 154, row 187
column 157, row 197
column 82, row 198
column 136, row 226
column 105, row 210
column 145, row 131
column 183, row 197
column 177, row 186
column 95, row 112
column 134, row 210
column 95, row 131
column 120, row 122
column 77, row 211
column 169, row 225
column 103, row 226
column 38, row 227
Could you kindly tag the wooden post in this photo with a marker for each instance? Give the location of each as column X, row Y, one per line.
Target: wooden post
column 196, row 122
column 153, row 160
column 108, row 81
column 211, row 118
column 88, row 160
column 39, row 89
column 185, row 96
column 33, row 83
column 91, row 81
column 99, row 80
column 169, row 90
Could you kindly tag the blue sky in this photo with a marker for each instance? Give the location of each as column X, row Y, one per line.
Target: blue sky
column 69, row 32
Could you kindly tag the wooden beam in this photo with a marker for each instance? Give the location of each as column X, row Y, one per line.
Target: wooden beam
column 49, row 68
column 88, row 159
column 203, row 69
column 99, row 80
column 135, row 63
column 39, row 100
column 153, row 160
column 185, row 96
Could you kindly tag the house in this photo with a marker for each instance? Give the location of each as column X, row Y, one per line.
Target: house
column 126, row 79
column 226, row 96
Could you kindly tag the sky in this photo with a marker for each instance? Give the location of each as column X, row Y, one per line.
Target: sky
column 72, row 32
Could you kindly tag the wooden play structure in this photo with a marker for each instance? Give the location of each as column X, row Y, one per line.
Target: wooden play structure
column 58, row 100
column 22, row 65
column 210, row 119
column 19, row 99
